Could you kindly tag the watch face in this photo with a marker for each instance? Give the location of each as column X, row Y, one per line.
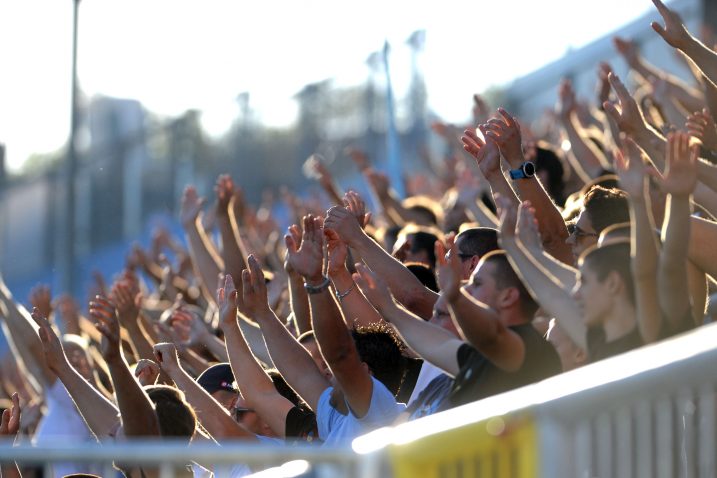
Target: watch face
column 529, row 168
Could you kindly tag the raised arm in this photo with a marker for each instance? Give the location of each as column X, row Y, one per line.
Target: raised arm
column 480, row 324
column 9, row 428
column 205, row 259
column 354, row 306
column 587, row 161
column 407, row 289
column 676, row 35
column 431, row 342
column 211, row 414
column 99, row 413
column 136, row 409
column 630, row 167
column 255, row 385
column 233, row 250
column 553, row 231
column 23, row 333
column 680, row 179
column 553, row 297
column 298, row 299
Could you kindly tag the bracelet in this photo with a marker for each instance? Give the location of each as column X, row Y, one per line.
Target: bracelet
column 340, row 295
column 317, row 289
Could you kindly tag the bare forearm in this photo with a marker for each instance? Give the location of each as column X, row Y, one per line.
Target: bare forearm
column 431, row 342
column 207, row 263
column 211, row 414
column 299, row 302
column 406, row 288
column 232, row 255
column 703, row 236
column 552, row 297
column 255, row 338
column 672, row 277
column 477, row 324
column 355, row 308
column 329, row 328
column 138, row 416
column 704, row 57
column 22, row 330
column 588, row 160
column 707, row 174
column 99, row 413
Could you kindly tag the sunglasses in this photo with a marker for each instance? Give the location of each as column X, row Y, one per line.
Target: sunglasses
column 576, row 232
column 240, row 411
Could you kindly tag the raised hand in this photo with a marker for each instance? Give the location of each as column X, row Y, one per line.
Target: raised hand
column 526, row 229
column 104, row 314
column 505, row 133
column 701, row 125
column 41, row 298
column 481, row 112
column 191, row 207
column 224, row 190
column 627, row 49
column 167, row 358
column 629, row 117
column 566, row 96
column 359, row 158
column 254, row 290
column 307, row 259
column 485, row 152
column 680, row 177
column 10, row 423
column 337, row 253
column 226, row 301
column 69, row 314
column 674, row 31
column 128, row 303
column 449, row 270
column 51, row 344
column 603, row 88
column 374, row 288
column 508, row 214
column 345, row 224
column 630, row 168
column 146, row 372
column 379, row 182
column 356, row 205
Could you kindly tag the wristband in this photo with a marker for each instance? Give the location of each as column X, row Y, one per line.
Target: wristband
column 340, row 295
column 317, row 289
column 526, row 170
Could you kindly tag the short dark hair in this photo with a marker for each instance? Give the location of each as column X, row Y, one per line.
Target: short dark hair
column 546, row 159
column 423, row 273
column 424, row 240
column 427, row 207
column 606, row 207
column 379, row 347
column 176, row 417
column 478, row 241
column 505, row 277
column 613, row 256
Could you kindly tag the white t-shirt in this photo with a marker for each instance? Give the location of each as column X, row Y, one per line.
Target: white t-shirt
column 63, row 424
column 338, row 429
column 425, row 376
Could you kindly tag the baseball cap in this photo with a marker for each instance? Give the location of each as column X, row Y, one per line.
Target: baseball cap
column 217, row 377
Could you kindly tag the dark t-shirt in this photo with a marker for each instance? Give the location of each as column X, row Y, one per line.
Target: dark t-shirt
column 599, row 348
column 431, row 397
column 479, row 378
column 301, row 426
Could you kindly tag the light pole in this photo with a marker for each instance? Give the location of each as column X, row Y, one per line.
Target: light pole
column 68, row 256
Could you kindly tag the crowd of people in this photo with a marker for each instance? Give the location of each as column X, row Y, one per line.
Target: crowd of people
column 516, row 261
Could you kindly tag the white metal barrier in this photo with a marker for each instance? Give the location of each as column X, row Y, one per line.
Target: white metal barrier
column 647, row 413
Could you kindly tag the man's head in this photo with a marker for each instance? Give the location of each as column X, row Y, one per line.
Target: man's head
column 605, row 282
column 495, row 283
column 176, row 417
column 76, row 351
column 442, row 317
column 382, row 352
column 218, row 381
column 474, row 243
column 601, row 208
column 417, row 244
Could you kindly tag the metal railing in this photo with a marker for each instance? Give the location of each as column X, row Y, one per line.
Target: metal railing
column 648, row 413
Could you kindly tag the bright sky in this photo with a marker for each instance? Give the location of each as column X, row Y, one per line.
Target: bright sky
column 173, row 55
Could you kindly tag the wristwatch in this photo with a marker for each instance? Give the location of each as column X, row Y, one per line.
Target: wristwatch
column 526, row 170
